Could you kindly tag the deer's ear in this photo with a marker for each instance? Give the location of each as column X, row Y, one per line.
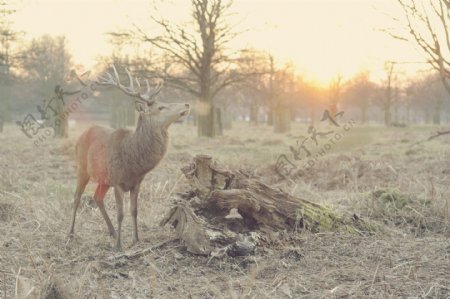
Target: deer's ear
column 140, row 107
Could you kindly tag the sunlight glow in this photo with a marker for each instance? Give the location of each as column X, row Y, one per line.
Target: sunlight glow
column 322, row 38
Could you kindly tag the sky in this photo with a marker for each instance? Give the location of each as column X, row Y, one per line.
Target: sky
column 322, row 38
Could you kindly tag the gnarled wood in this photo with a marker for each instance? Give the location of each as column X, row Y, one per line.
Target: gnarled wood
column 204, row 220
column 189, row 228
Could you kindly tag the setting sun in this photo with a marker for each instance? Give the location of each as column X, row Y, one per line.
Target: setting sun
column 323, row 38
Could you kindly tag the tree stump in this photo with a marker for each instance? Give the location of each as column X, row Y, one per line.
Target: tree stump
column 231, row 212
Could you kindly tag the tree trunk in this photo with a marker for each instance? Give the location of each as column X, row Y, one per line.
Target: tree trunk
column 253, row 113
column 60, row 121
column 205, row 119
column 408, row 114
column 226, row 118
column 396, row 119
column 437, row 112
column 387, row 116
column 282, row 120
column 62, row 131
column 363, row 114
column 427, row 116
column 194, row 117
column 270, row 116
column 208, row 119
column 218, row 121
column 437, row 117
column 4, row 105
column 222, row 210
column 293, row 114
column 2, row 118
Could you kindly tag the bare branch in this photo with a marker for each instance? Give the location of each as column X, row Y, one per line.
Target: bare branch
column 432, row 44
column 393, row 35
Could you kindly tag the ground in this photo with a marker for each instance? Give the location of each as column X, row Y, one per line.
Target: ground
column 376, row 173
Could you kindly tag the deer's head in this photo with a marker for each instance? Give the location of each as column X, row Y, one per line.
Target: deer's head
column 150, row 110
column 163, row 114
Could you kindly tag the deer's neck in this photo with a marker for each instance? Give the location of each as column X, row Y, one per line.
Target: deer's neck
column 148, row 145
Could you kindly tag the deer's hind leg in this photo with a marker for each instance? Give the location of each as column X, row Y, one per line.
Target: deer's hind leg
column 99, row 196
column 82, row 181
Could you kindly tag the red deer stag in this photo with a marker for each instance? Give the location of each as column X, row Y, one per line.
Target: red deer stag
column 121, row 158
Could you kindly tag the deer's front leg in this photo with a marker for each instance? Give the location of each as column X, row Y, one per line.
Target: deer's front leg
column 134, row 193
column 119, row 202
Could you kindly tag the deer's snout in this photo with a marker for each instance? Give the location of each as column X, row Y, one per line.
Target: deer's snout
column 187, row 105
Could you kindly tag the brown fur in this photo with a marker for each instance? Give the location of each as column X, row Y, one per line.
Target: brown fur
column 121, row 159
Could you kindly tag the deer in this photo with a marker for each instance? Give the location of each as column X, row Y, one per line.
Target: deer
column 121, row 158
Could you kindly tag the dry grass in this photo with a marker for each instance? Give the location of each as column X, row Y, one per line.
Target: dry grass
column 375, row 173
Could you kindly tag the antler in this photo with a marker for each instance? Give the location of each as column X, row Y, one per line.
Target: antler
column 108, row 79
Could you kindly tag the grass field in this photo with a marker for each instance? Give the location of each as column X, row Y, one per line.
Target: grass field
column 377, row 173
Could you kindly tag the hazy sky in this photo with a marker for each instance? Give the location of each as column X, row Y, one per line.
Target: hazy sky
column 321, row 37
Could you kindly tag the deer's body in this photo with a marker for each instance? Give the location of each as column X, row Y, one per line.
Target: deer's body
column 121, row 158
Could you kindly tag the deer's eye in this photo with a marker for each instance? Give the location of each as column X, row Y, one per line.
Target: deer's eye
column 161, row 108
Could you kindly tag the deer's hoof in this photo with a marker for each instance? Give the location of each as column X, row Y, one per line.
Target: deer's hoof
column 71, row 237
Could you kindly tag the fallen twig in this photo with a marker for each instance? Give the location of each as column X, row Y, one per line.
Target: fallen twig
column 438, row 133
column 139, row 252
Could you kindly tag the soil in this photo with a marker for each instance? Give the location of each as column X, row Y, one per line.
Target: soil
column 402, row 186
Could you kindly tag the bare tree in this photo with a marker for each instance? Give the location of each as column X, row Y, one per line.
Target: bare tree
column 388, row 97
column 45, row 62
column 278, row 86
column 256, row 89
column 7, row 37
column 282, row 90
column 335, row 92
column 267, row 84
column 427, row 95
column 428, row 24
column 359, row 93
column 197, row 59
